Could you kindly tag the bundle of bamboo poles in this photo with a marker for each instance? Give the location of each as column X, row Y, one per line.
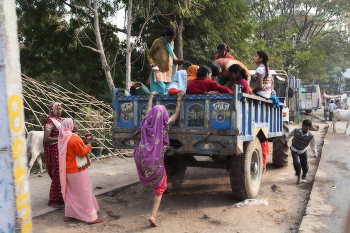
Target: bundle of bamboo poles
column 93, row 116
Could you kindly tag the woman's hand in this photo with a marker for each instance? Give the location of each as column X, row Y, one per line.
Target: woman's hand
column 153, row 94
column 150, row 100
column 212, row 92
column 180, row 95
column 151, row 64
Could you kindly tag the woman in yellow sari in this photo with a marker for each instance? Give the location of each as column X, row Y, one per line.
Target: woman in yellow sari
column 163, row 61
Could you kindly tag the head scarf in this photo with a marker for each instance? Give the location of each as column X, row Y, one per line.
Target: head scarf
column 63, row 138
column 179, row 82
column 149, row 155
column 53, row 111
column 192, row 73
column 225, row 64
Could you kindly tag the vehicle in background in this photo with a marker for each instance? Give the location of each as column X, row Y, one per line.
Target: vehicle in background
column 310, row 97
column 346, row 103
column 326, row 101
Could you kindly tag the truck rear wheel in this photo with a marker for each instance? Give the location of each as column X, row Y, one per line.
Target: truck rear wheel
column 175, row 170
column 246, row 171
column 280, row 152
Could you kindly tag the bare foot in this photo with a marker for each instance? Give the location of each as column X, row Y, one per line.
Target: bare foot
column 153, row 222
column 299, row 180
column 54, row 205
column 96, row 221
column 264, row 169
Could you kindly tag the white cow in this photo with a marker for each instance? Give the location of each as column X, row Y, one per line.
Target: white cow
column 34, row 148
column 343, row 115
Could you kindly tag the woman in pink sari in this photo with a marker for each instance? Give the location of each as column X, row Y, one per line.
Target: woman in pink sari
column 51, row 129
column 77, row 193
column 149, row 154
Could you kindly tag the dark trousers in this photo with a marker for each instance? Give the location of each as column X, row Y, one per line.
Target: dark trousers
column 300, row 165
column 330, row 116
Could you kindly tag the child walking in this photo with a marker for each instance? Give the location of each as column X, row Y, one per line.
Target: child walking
column 302, row 137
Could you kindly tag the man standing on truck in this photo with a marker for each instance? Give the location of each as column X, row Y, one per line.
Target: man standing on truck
column 331, row 109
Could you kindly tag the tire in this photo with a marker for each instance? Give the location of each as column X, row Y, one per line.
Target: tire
column 175, row 171
column 244, row 184
column 280, row 152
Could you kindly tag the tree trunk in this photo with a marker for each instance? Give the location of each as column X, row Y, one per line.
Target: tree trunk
column 128, row 50
column 178, row 40
column 101, row 51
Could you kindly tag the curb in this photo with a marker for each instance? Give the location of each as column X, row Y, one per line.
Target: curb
column 311, row 214
column 49, row 209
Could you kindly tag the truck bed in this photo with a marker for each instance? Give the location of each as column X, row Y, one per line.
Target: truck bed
column 208, row 124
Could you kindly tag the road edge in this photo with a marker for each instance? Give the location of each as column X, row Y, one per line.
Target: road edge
column 317, row 205
column 97, row 192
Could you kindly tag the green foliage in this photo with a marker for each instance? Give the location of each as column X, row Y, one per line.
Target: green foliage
column 50, row 51
column 202, row 34
column 306, row 38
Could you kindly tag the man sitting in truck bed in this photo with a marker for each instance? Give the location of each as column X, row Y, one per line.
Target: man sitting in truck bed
column 203, row 83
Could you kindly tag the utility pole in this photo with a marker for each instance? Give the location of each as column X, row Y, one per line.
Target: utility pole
column 128, row 50
column 15, row 209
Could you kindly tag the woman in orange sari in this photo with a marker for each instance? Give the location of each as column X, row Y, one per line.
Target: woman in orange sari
column 76, row 187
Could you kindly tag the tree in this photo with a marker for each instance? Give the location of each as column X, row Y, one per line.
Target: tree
column 318, row 28
column 50, row 51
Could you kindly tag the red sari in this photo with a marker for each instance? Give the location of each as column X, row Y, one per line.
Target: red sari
column 51, row 155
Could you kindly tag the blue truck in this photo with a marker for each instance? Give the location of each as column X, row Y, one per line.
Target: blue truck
column 226, row 127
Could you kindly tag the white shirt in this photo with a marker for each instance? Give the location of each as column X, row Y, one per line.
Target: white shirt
column 331, row 107
column 266, row 94
column 312, row 143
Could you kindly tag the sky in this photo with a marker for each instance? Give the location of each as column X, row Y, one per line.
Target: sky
column 347, row 73
column 119, row 21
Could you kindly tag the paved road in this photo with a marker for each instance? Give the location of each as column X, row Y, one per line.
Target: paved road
column 330, row 199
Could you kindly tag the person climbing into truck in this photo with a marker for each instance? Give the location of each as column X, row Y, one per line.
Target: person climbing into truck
column 149, row 154
column 223, row 51
column 302, row 137
column 263, row 79
column 203, row 83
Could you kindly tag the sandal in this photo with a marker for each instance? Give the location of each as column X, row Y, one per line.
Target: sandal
column 96, row 221
column 153, row 222
column 67, row 219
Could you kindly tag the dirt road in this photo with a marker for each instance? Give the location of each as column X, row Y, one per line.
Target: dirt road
column 204, row 192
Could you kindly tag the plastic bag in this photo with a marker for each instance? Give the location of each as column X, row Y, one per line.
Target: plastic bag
column 251, row 202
